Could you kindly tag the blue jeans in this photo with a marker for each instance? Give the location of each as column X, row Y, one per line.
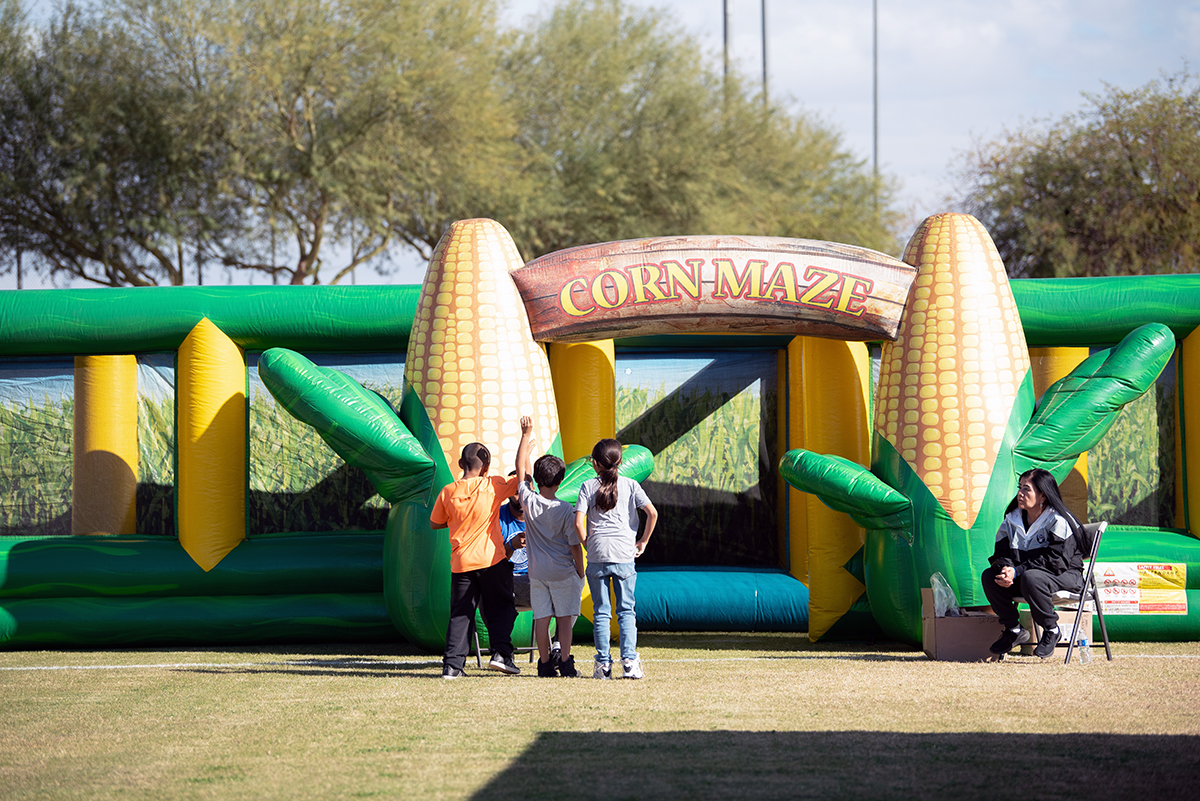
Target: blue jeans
column 624, row 577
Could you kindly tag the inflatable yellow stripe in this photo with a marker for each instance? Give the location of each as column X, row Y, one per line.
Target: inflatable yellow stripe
column 584, row 386
column 829, row 416
column 105, row 463
column 1189, row 388
column 1049, row 365
column 211, row 430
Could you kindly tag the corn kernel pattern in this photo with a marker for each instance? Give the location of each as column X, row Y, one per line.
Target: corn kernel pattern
column 948, row 383
column 471, row 357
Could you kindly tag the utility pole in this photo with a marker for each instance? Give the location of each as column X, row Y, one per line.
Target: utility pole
column 725, row 84
column 875, row 96
column 764, row 49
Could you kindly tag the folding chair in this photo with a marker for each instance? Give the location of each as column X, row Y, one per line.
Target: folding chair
column 532, row 647
column 1088, row 597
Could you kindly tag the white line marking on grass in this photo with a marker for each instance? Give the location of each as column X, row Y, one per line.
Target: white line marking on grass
column 303, row 663
column 351, row 663
column 1156, row 656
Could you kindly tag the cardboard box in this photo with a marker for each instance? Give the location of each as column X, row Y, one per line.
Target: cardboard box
column 1066, row 619
column 958, row 639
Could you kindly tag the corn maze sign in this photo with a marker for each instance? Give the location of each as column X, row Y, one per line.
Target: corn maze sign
column 695, row 284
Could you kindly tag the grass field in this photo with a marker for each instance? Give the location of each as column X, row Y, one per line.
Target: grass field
column 718, row 716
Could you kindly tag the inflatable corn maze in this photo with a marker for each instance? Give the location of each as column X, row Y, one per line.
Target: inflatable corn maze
column 822, row 428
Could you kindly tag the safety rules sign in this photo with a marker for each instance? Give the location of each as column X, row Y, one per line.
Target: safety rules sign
column 1142, row 588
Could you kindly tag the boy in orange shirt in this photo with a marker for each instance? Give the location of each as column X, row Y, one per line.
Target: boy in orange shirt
column 480, row 573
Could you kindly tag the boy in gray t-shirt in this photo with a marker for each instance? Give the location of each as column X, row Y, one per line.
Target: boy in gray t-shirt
column 555, row 559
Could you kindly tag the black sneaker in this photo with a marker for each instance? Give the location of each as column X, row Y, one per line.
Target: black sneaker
column 1046, row 643
column 555, row 651
column 546, row 669
column 504, row 664
column 452, row 672
column 567, row 670
column 1009, row 640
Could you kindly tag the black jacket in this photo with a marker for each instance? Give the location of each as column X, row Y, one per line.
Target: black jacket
column 1049, row 544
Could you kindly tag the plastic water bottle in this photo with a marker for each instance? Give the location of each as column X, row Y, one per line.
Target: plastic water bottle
column 1085, row 651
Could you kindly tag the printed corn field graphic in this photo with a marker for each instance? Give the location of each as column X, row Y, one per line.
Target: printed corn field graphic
column 472, row 370
column 956, row 424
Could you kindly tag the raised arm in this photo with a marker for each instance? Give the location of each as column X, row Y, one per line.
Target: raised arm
column 523, row 450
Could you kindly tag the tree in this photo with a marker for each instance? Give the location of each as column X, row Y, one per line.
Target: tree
column 98, row 178
column 265, row 135
column 356, row 123
column 259, row 135
column 1112, row 189
column 627, row 134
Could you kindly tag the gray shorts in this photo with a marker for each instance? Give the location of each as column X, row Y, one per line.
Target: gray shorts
column 556, row 598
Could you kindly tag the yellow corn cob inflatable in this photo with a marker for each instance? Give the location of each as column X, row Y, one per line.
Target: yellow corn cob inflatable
column 948, row 384
column 471, row 358
column 471, row 372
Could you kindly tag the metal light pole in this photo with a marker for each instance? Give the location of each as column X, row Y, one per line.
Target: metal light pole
column 725, row 15
column 875, row 83
column 875, row 96
column 764, row 49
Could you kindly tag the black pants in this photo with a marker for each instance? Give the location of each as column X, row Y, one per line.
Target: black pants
column 1037, row 587
column 491, row 589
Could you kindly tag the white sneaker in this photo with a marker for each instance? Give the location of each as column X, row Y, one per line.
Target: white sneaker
column 602, row 670
column 632, row 668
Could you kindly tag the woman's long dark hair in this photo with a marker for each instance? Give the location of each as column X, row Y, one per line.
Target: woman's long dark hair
column 1043, row 481
column 606, row 456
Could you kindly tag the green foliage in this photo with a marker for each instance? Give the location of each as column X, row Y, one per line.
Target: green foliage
column 156, row 467
column 1131, row 471
column 36, row 464
column 628, row 134
column 1109, row 190
column 146, row 139
column 297, row 482
column 714, row 484
column 36, row 467
column 359, row 122
column 103, row 173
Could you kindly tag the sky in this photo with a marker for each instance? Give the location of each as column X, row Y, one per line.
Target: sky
column 951, row 72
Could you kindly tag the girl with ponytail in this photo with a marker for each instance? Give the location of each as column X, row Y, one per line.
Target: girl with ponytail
column 606, row 520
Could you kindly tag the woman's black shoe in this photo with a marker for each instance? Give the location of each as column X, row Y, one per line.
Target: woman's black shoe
column 1009, row 639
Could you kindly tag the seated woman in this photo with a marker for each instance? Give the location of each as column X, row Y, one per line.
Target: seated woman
column 1037, row 553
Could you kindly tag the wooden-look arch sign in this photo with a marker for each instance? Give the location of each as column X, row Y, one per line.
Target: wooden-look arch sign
column 692, row 284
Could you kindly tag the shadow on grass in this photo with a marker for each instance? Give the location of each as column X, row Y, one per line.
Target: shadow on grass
column 764, row 642
column 851, row 764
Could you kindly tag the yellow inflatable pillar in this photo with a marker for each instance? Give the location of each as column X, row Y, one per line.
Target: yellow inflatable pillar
column 1180, row 470
column 584, row 386
column 211, row 431
column 105, row 463
column 1189, row 390
column 828, row 386
column 783, row 490
column 1048, row 365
